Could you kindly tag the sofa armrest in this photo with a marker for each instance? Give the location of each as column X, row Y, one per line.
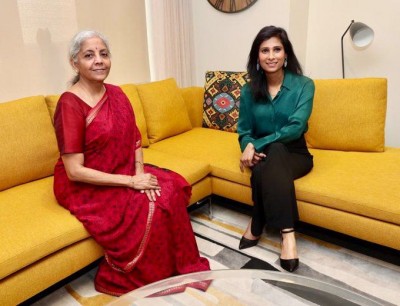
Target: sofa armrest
column 194, row 98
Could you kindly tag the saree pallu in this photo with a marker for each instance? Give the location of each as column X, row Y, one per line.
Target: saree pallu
column 143, row 241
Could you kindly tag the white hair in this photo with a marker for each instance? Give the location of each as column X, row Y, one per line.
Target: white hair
column 76, row 44
column 82, row 36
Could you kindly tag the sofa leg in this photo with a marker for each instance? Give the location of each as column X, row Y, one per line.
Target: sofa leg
column 210, row 209
column 203, row 202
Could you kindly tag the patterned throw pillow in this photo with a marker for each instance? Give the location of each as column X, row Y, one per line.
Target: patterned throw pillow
column 222, row 98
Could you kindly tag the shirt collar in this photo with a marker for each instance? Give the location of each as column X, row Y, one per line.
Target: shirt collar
column 288, row 80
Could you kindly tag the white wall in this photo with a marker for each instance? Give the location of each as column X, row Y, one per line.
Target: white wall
column 298, row 29
column 35, row 35
column 328, row 19
column 222, row 41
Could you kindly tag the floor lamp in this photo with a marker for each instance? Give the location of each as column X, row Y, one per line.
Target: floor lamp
column 361, row 35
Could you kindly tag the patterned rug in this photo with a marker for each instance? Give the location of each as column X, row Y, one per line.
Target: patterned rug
column 218, row 239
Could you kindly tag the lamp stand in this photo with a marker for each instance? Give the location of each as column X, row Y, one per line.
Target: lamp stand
column 342, row 46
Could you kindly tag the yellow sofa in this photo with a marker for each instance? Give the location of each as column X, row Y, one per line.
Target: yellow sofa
column 353, row 188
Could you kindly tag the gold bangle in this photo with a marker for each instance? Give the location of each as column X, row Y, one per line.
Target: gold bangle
column 139, row 162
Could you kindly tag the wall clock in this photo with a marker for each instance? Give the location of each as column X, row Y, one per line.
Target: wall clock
column 231, row 6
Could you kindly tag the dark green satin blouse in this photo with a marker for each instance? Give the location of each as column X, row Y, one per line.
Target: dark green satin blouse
column 281, row 119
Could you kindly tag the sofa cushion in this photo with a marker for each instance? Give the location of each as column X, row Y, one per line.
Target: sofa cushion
column 348, row 115
column 222, row 99
column 361, row 183
column 194, row 97
column 131, row 91
column 192, row 170
column 33, row 225
column 220, row 149
column 28, row 149
column 51, row 102
column 164, row 109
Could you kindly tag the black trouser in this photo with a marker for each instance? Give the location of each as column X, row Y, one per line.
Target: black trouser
column 272, row 183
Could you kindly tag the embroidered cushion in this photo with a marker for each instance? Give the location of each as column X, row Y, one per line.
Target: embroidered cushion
column 222, row 99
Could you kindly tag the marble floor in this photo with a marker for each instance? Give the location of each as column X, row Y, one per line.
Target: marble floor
column 218, row 238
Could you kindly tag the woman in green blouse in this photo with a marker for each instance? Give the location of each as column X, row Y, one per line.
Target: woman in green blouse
column 274, row 109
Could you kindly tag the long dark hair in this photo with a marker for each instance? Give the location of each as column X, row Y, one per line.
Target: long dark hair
column 258, row 82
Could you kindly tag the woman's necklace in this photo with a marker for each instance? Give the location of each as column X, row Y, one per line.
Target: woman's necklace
column 274, row 83
column 274, row 90
column 88, row 98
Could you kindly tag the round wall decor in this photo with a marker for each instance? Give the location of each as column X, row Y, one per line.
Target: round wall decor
column 231, row 6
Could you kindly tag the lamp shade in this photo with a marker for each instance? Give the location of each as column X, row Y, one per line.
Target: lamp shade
column 361, row 34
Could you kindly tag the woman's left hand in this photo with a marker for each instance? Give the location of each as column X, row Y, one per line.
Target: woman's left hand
column 152, row 194
column 258, row 157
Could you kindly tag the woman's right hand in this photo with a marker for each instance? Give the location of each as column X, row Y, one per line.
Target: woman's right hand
column 146, row 182
column 250, row 157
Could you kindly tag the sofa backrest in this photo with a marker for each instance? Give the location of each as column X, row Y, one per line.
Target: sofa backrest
column 28, row 149
column 132, row 93
column 349, row 115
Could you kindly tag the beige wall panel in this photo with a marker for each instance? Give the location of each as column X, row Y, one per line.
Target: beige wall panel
column 35, row 35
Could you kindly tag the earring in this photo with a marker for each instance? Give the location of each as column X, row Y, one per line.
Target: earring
column 258, row 66
column 285, row 63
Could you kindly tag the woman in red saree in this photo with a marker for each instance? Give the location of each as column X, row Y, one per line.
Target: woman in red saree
column 136, row 212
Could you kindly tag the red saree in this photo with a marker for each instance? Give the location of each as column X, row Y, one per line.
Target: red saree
column 143, row 241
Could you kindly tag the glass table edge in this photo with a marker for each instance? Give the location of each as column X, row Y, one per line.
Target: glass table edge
column 283, row 277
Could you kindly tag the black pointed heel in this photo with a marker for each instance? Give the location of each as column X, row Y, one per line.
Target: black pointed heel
column 247, row 243
column 289, row 265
